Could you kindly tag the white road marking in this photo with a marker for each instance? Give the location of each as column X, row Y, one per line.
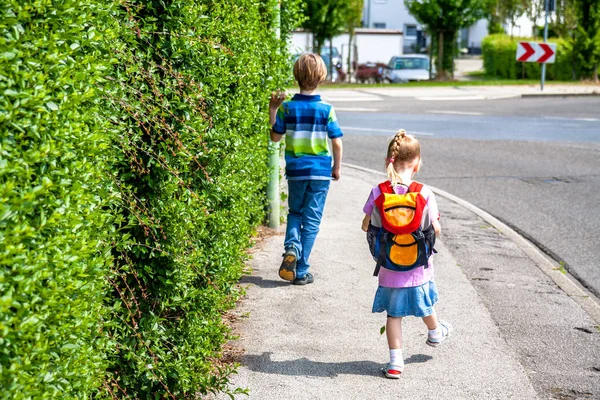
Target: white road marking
column 390, row 131
column 357, row 109
column 352, row 99
column 451, row 98
column 454, row 112
column 573, row 119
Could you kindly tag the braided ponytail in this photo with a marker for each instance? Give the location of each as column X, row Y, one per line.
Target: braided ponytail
column 402, row 150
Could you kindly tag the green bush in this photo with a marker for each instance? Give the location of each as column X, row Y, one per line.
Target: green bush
column 499, row 60
column 53, row 170
column 133, row 155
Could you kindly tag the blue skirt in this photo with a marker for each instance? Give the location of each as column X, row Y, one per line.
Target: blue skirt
column 415, row 301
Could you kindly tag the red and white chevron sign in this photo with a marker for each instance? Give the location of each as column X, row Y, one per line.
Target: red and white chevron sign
column 536, row 52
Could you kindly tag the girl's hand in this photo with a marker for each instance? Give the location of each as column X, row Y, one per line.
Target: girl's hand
column 276, row 99
column 365, row 222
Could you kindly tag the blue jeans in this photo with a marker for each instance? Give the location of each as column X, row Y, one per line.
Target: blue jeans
column 306, row 202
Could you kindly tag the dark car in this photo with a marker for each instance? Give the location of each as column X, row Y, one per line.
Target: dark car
column 370, row 72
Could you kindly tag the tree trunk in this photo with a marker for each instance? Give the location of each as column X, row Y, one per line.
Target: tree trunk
column 330, row 60
column 431, row 55
column 441, row 74
column 350, row 37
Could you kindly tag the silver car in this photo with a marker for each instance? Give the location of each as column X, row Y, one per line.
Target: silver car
column 408, row 68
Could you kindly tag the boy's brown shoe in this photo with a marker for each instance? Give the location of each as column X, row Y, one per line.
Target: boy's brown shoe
column 287, row 270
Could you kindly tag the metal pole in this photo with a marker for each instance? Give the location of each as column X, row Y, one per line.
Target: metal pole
column 546, row 7
column 273, row 151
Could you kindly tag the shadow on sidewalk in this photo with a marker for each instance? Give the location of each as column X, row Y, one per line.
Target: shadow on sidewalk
column 306, row 367
column 263, row 283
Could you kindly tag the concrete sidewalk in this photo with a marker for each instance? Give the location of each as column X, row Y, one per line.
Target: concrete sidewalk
column 321, row 341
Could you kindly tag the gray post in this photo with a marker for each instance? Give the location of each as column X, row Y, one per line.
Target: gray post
column 273, row 151
column 546, row 8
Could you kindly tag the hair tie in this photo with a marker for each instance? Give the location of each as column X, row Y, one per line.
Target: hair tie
column 392, row 159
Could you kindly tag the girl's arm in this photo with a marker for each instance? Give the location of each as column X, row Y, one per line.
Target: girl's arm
column 437, row 228
column 365, row 222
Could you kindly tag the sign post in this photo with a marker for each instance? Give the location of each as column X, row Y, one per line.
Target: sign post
column 273, row 152
column 542, row 53
column 546, row 8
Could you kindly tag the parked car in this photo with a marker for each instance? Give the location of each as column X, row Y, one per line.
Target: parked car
column 408, row 68
column 336, row 57
column 370, row 72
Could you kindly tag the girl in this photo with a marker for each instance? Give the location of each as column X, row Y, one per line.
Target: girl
column 412, row 292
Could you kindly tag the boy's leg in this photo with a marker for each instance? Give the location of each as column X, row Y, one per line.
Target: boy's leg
column 316, row 194
column 296, row 196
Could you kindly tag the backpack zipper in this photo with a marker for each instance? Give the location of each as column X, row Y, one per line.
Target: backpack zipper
column 394, row 207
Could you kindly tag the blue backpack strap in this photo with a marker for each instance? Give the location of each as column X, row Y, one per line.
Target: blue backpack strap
column 380, row 251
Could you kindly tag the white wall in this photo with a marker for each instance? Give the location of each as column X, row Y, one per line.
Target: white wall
column 523, row 27
column 477, row 32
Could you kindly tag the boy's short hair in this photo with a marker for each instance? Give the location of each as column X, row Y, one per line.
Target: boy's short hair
column 310, row 71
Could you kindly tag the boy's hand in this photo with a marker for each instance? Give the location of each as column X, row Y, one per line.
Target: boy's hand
column 335, row 173
column 276, row 99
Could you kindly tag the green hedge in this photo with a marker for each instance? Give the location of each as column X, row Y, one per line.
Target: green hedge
column 499, row 60
column 53, row 169
column 133, row 167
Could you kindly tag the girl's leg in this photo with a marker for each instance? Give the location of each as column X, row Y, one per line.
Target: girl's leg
column 438, row 330
column 431, row 321
column 393, row 330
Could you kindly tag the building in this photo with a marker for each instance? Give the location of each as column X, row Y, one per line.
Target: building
column 393, row 14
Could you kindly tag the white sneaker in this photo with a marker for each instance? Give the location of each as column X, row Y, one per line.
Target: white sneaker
column 446, row 328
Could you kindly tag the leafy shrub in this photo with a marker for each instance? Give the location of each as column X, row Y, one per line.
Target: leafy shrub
column 53, row 168
column 499, row 60
column 133, row 156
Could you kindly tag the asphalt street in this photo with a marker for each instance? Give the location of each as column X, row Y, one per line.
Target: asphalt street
column 534, row 163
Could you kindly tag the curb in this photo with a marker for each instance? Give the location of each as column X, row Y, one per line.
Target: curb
column 538, row 95
column 547, row 266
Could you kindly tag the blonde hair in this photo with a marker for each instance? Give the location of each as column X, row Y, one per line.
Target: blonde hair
column 402, row 151
column 310, row 71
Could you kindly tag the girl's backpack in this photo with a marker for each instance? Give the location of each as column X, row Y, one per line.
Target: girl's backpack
column 397, row 237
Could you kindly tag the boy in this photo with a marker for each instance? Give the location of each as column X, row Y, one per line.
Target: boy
column 308, row 122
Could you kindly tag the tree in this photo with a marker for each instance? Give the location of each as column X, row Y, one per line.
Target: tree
column 443, row 19
column 535, row 11
column 492, row 14
column 511, row 10
column 565, row 20
column 586, row 40
column 325, row 19
column 353, row 20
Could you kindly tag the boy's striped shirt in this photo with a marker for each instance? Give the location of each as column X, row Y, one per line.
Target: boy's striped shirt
column 307, row 122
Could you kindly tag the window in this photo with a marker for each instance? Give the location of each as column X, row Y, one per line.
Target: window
column 410, row 31
column 379, row 25
column 409, row 63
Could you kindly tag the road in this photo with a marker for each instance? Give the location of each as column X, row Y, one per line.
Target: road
column 534, row 163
